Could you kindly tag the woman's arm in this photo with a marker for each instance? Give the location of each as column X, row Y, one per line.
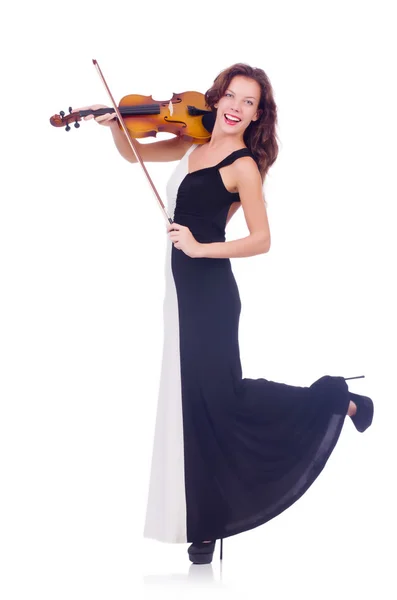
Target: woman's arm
column 249, row 186
column 157, row 151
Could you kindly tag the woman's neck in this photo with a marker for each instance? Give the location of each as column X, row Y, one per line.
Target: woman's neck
column 220, row 141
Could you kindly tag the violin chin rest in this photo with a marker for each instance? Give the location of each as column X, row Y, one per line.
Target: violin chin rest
column 208, row 121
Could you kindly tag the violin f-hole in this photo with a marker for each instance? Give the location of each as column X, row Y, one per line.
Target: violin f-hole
column 174, row 121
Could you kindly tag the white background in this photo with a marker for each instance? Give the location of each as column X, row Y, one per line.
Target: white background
column 82, row 278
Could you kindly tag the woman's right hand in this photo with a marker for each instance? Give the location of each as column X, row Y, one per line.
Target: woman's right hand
column 108, row 119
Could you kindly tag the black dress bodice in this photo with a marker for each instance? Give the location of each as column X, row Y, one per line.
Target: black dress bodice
column 203, row 201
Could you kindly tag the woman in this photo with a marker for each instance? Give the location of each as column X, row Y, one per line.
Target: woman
column 230, row 453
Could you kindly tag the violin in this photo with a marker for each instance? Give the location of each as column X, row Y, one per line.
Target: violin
column 185, row 115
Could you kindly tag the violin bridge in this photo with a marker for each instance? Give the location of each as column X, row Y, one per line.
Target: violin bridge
column 171, row 108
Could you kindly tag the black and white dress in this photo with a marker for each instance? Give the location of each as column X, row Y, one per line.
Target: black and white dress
column 230, row 453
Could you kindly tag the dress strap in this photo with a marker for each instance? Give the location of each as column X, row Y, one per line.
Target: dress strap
column 190, row 149
column 234, row 156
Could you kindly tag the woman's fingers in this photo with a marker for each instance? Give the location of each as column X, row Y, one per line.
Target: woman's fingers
column 105, row 119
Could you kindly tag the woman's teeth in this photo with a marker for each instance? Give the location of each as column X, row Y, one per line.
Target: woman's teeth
column 231, row 120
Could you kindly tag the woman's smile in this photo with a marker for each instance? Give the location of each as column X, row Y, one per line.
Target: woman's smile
column 231, row 119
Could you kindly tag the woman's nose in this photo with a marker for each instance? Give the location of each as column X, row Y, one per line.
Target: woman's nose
column 235, row 106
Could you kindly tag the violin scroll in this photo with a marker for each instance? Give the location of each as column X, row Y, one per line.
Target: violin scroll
column 63, row 120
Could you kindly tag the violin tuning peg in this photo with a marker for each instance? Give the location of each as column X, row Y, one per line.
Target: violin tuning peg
column 67, row 128
column 62, row 113
column 70, row 109
column 77, row 125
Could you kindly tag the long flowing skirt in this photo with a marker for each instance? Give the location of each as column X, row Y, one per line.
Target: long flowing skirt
column 230, row 453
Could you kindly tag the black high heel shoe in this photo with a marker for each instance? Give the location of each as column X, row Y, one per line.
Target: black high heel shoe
column 365, row 409
column 201, row 553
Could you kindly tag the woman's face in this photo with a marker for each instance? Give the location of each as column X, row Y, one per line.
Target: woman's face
column 239, row 104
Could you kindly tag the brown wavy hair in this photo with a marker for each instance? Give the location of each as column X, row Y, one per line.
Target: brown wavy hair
column 260, row 137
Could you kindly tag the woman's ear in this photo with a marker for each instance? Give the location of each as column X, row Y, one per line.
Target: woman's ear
column 258, row 114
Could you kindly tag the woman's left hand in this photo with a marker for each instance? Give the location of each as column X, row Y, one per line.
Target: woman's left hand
column 183, row 239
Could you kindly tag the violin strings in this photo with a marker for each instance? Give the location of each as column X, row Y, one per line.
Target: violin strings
column 141, row 109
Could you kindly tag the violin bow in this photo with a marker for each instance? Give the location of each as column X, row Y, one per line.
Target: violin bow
column 132, row 143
